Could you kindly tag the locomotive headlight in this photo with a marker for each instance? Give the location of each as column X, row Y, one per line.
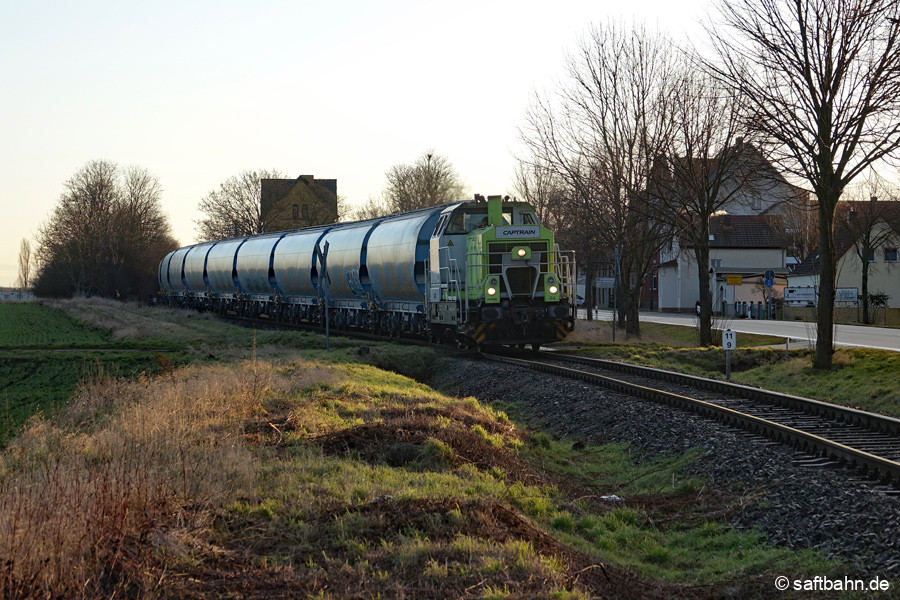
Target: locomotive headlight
column 552, row 288
column 491, row 290
column 521, row 253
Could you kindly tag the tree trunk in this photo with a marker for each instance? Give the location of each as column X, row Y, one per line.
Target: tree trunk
column 589, row 290
column 701, row 254
column 827, row 272
column 621, row 302
column 632, row 323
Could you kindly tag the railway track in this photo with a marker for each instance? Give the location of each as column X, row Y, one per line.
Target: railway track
column 867, row 442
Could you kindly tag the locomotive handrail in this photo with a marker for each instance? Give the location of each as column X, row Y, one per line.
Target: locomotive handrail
column 453, row 283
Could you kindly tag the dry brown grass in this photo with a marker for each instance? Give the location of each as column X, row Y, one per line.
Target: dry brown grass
column 596, row 332
column 96, row 502
column 130, row 320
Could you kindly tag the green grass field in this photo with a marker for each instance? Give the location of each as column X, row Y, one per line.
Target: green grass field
column 31, row 325
column 34, row 381
column 45, row 353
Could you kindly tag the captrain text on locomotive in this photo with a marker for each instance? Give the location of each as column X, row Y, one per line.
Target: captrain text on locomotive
column 475, row 272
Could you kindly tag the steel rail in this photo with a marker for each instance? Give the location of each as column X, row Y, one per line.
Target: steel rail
column 869, row 420
column 872, row 465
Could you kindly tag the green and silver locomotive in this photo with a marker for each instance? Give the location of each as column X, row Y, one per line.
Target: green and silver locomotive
column 477, row 272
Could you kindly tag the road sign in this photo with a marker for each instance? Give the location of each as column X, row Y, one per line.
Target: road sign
column 734, row 279
column 729, row 340
column 770, row 274
column 798, row 294
column 770, row 282
column 846, row 295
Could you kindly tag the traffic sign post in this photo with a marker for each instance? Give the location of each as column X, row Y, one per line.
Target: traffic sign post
column 729, row 343
column 770, row 281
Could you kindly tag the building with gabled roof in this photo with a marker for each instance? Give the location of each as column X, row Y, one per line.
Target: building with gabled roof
column 740, row 245
column 301, row 202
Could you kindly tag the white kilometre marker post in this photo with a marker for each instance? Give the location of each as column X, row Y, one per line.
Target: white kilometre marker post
column 729, row 343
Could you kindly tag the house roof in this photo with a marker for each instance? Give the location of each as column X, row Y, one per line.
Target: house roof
column 743, row 231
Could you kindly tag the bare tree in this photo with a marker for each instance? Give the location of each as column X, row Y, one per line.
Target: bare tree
column 538, row 185
column 799, row 225
column 25, row 262
column 867, row 219
column 234, row 209
column 429, row 181
column 599, row 135
column 822, row 81
column 707, row 166
column 375, row 207
column 106, row 236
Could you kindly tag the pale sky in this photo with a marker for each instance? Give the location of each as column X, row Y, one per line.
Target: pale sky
column 197, row 91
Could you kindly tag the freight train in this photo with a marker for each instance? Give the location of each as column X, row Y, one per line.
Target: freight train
column 477, row 272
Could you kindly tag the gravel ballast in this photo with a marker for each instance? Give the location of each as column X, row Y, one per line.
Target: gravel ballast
column 796, row 504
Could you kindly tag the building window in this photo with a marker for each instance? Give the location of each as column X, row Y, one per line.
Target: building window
column 872, row 257
column 295, row 211
column 305, row 211
column 715, row 263
column 655, row 282
column 890, row 255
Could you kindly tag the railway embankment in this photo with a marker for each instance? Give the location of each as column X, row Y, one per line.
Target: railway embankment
column 254, row 464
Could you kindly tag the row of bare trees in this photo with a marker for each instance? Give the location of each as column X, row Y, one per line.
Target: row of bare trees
column 106, row 235
column 636, row 144
column 643, row 141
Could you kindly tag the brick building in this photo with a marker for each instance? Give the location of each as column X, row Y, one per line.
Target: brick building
column 301, row 202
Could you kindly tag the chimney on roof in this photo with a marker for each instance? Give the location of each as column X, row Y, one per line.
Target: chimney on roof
column 739, row 141
column 873, row 198
column 727, row 220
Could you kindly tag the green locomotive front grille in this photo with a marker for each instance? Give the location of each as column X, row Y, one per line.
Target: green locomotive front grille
column 521, row 278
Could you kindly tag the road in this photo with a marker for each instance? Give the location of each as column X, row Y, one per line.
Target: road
column 804, row 334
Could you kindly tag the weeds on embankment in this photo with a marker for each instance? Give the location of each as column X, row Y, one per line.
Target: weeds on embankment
column 293, row 476
column 128, row 472
column 259, row 471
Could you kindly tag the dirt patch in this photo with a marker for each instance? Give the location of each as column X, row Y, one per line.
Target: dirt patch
column 409, row 440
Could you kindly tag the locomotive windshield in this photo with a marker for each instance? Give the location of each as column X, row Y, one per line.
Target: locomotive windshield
column 468, row 220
